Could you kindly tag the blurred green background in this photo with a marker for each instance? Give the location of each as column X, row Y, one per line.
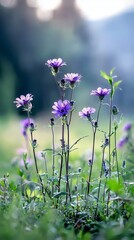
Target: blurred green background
column 33, row 31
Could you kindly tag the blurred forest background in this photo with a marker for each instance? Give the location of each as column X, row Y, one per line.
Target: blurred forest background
column 29, row 37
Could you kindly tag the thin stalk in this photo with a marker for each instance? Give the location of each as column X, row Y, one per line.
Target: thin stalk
column 104, row 189
column 71, row 95
column 53, row 158
column 59, row 89
column 27, row 147
column 67, row 162
column 98, row 195
column 45, row 162
column 94, row 128
column 62, row 153
column 35, row 161
column 116, row 156
column 70, row 117
column 92, row 159
column 110, row 126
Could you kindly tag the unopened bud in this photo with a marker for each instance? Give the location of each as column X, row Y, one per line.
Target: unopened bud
column 124, row 164
column 31, row 127
column 52, row 121
column 34, row 143
column 71, row 102
column 79, row 169
column 115, row 110
column 90, row 162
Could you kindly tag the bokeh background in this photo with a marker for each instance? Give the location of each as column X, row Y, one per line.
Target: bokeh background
column 89, row 35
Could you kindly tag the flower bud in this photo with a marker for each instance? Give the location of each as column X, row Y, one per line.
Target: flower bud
column 34, row 143
column 52, row 121
column 115, row 110
column 71, row 102
column 31, row 127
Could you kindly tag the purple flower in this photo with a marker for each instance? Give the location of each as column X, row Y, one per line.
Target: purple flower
column 27, row 163
column 21, row 152
column 72, row 78
column 127, row 127
column 25, row 123
column 24, row 101
column 61, row 108
column 86, row 112
column 55, row 64
column 101, row 92
column 122, row 142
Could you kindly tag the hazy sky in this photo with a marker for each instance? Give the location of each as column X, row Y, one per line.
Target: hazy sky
column 91, row 9
column 99, row 9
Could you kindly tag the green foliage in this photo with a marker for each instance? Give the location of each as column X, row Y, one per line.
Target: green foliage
column 55, row 196
column 110, row 79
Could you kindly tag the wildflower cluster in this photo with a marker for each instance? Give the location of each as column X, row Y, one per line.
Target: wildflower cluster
column 94, row 189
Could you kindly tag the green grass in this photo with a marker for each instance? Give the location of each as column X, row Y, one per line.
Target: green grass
column 28, row 216
column 12, row 139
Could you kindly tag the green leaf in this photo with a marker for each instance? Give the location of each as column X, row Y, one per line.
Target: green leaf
column 116, row 186
column 24, row 157
column 104, row 75
column 116, row 84
column 57, row 195
column 77, row 141
column 20, row 172
column 47, row 149
column 107, row 77
column 31, row 185
column 112, row 71
column 12, row 186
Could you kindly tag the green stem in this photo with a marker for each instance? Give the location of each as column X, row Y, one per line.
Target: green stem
column 116, row 156
column 62, row 153
column 35, row 161
column 92, row 159
column 110, row 126
column 67, row 162
column 53, row 158
column 94, row 128
column 98, row 195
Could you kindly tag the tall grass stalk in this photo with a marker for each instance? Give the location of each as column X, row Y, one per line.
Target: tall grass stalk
column 100, row 179
column 35, row 159
column 94, row 129
column 53, row 153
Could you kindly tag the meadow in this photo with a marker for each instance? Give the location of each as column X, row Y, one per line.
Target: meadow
column 68, row 174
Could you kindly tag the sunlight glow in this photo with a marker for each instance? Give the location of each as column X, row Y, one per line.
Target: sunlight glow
column 100, row 9
column 44, row 5
column 48, row 5
column 44, row 15
column 8, row 3
column 44, row 8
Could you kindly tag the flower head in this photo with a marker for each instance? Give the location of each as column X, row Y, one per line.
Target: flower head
column 25, row 124
column 61, row 108
column 72, row 78
column 101, row 92
column 55, row 64
column 86, row 112
column 24, row 101
column 122, row 142
column 127, row 127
